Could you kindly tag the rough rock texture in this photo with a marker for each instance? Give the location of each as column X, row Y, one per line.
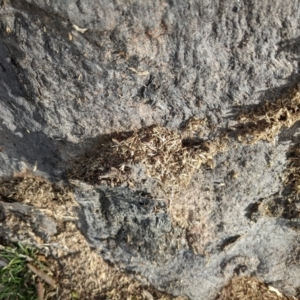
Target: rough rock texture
column 146, row 229
column 135, row 232
column 73, row 70
column 29, row 220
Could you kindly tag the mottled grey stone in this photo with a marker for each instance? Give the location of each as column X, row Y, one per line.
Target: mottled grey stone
column 159, row 62
column 135, row 233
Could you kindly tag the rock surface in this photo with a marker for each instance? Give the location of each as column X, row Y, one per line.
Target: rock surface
column 72, row 71
column 29, row 220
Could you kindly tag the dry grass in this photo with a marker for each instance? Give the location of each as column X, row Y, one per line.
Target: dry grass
column 250, row 288
column 167, row 155
column 55, row 200
column 292, row 172
column 35, row 191
column 83, row 273
column 265, row 121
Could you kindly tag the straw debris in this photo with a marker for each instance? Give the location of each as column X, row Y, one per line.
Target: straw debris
column 249, row 288
column 35, row 191
column 265, row 121
column 167, row 155
column 292, row 172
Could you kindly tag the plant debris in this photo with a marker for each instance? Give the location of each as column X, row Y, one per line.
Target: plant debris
column 292, row 172
column 35, row 191
column 42, row 275
column 18, row 278
column 167, row 155
column 265, row 121
column 249, row 288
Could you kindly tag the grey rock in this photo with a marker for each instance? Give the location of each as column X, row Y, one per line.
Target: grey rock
column 135, row 233
column 159, row 62
column 27, row 218
column 129, row 226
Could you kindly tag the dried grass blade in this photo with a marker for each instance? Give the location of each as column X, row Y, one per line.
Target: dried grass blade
column 40, row 290
column 42, row 275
